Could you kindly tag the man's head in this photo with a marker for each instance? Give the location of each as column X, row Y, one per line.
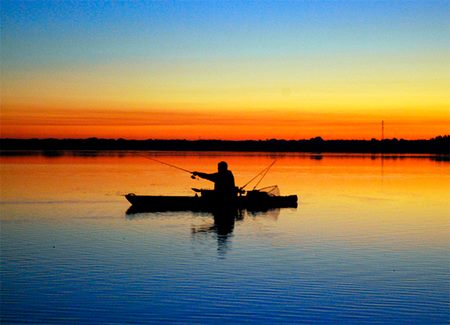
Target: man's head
column 222, row 166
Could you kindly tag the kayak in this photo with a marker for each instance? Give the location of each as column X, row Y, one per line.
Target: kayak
column 253, row 200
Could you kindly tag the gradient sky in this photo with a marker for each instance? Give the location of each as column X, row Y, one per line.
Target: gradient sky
column 229, row 70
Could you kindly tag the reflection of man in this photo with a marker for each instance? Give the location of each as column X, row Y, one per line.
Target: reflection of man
column 224, row 222
column 223, row 181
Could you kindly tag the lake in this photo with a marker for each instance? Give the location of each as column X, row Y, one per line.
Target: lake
column 368, row 242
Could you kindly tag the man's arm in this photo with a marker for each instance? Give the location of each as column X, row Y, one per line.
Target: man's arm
column 209, row 177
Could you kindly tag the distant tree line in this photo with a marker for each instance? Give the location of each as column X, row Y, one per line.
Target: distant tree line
column 437, row 145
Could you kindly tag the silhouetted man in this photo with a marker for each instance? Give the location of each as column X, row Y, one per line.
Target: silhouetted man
column 224, row 187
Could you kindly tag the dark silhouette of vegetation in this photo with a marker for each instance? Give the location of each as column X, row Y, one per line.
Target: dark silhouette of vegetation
column 437, row 145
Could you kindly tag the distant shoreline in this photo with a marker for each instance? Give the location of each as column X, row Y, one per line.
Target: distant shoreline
column 437, row 145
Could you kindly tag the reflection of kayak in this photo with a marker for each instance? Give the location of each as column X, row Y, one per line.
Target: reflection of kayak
column 253, row 200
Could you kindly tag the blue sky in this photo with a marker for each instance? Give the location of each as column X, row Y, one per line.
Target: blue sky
column 36, row 33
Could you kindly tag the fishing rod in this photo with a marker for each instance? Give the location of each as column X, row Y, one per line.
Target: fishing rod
column 265, row 170
column 170, row 165
column 265, row 173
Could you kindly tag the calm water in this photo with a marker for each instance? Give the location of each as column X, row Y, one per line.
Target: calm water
column 368, row 242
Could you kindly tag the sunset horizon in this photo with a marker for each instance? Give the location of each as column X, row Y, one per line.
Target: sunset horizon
column 227, row 139
column 224, row 70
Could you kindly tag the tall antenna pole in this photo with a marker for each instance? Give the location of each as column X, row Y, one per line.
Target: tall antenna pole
column 382, row 130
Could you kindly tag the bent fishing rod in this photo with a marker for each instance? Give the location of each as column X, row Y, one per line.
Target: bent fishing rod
column 170, row 165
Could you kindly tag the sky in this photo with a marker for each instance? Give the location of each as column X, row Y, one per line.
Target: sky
column 225, row 69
